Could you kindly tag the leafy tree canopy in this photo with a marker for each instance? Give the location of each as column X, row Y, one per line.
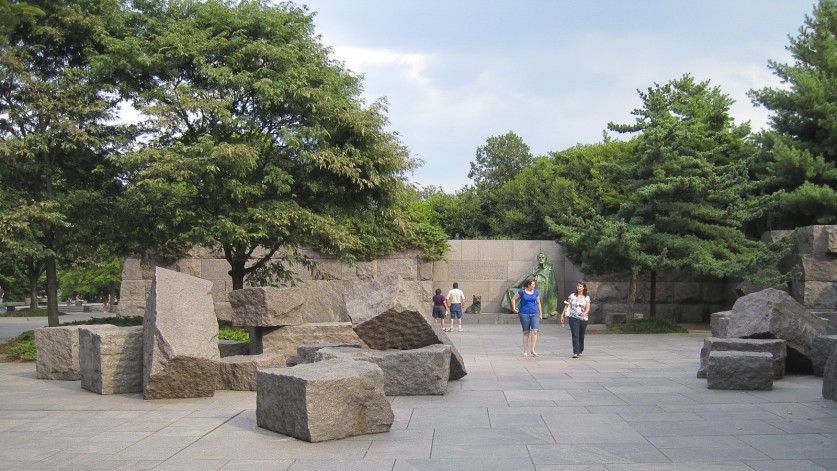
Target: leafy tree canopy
column 798, row 159
column 260, row 141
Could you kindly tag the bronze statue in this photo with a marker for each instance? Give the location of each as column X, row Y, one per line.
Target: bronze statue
column 544, row 275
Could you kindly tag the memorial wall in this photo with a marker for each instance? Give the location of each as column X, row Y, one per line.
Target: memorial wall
column 483, row 268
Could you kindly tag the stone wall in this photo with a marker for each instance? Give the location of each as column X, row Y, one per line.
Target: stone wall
column 485, row 268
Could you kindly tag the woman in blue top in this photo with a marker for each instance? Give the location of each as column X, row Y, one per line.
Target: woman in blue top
column 531, row 313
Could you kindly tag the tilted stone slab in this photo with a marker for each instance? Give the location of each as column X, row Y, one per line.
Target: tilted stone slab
column 266, row 307
column 740, row 370
column 286, row 340
column 775, row 347
column 308, row 353
column 417, row 372
column 231, row 348
column 829, row 378
column 325, row 400
column 822, row 349
column 111, row 359
column 391, row 314
column 180, row 348
column 772, row 313
column 57, row 353
column 238, row 373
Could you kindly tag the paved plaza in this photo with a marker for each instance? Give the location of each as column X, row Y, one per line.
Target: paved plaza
column 631, row 403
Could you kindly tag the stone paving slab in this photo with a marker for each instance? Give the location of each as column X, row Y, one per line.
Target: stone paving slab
column 630, row 403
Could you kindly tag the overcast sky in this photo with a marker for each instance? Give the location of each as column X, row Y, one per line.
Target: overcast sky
column 553, row 71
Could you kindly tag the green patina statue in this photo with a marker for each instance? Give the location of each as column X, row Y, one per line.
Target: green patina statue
column 544, row 275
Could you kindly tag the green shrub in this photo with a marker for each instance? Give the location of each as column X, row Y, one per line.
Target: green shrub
column 648, row 326
column 22, row 351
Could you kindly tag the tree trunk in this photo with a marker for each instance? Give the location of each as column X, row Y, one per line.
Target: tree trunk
column 237, row 274
column 653, row 311
column 52, row 292
column 33, row 292
column 629, row 316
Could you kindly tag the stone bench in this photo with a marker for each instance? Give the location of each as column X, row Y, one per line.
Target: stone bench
column 322, row 401
column 110, row 359
column 416, row 372
column 238, row 372
column 821, row 350
column 740, row 370
column 776, row 347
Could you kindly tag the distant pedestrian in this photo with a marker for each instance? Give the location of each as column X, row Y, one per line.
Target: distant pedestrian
column 531, row 313
column 105, row 303
column 579, row 308
column 440, row 308
column 456, row 301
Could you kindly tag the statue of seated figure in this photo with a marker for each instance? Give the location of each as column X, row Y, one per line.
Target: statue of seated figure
column 544, row 275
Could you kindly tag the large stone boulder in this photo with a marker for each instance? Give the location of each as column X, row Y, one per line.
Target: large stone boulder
column 740, row 370
column 391, row 314
column 286, row 340
column 238, row 373
column 773, row 314
column 110, row 358
column 231, row 348
column 776, row 347
column 57, row 353
column 308, row 353
column 418, row 372
column 822, row 349
column 266, row 307
column 180, row 348
column 325, row 400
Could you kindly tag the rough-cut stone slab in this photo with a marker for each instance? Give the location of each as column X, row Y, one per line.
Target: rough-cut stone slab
column 821, row 351
column 391, row 314
column 180, row 348
column 238, row 373
column 829, row 378
column 231, row 348
column 308, row 353
column 324, row 300
column 322, row 401
column 740, row 370
column 286, row 340
column 775, row 347
column 266, row 307
column 111, row 359
column 771, row 313
column 418, row 372
column 57, row 353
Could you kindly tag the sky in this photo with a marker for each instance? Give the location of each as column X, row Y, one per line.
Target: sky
column 554, row 72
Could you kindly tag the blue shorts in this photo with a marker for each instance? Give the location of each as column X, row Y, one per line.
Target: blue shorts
column 530, row 322
column 456, row 311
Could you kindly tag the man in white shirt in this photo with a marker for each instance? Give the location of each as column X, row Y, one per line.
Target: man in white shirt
column 456, row 301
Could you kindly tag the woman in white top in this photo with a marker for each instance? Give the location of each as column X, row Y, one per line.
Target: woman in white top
column 578, row 305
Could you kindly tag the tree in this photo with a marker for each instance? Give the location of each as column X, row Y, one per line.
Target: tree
column 798, row 158
column 688, row 193
column 97, row 278
column 498, row 161
column 55, row 115
column 261, row 143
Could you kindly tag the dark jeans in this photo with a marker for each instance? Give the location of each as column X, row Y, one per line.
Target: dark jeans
column 577, row 328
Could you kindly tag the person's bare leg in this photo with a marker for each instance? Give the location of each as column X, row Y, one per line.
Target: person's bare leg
column 534, row 342
column 526, row 344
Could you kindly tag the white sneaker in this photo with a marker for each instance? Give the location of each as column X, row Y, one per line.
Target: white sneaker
column 460, row 328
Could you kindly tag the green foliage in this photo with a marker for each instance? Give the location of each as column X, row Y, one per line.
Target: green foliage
column 92, row 278
column 689, row 183
column 498, row 161
column 227, row 332
column 261, row 141
column 56, row 133
column 648, row 326
column 798, row 159
column 22, row 351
